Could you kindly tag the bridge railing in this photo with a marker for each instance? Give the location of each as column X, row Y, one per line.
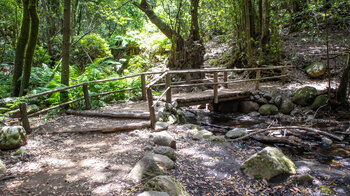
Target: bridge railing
column 188, row 83
column 87, row 97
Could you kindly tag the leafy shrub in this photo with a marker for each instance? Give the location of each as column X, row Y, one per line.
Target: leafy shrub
column 92, row 46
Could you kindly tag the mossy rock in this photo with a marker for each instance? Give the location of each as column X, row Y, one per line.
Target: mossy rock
column 319, row 101
column 2, row 168
column 166, row 184
column 305, row 96
column 12, row 137
column 268, row 109
column 287, row 106
column 316, row 69
column 268, row 163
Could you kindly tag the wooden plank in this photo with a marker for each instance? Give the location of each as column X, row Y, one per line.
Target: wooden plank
column 257, row 82
column 110, row 114
column 86, row 96
column 167, row 85
column 24, row 117
column 143, row 86
column 216, row 98
column 127, row 127
column 225, row 79
column 151, row 108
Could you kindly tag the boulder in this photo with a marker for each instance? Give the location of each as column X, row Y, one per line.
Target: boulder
column 277, row 100
column 2, row 168
column 161, row 126
column 303, row 179
column 267, row 96
column 316, row 69
column 236, row 132
column 145, row 169
column 163, row 138
column 249, row 106
column 319, row 101
column 268, row 163
column 305, row 96
column 163, row 162
column 166, row 184
column 12, row 137
column 166, row 151
column 268, row 109
column 262, row 100
column 153, row 193
column 287, row 106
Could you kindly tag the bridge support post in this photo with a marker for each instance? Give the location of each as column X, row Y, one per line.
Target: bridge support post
column 257, row 83
column 86, row 96
column 225, row 79
column 216, row 94
column 283, row 72
column 167, row 84
column 152, row 114
column 188, row 81
column 143, row 86
column 24, row 117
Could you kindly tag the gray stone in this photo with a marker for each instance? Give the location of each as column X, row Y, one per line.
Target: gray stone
column 218, row 138
column 319, row 101
column 249, row 106
column 303, row 179
column 148, row 148
column 145, row 169
column 153, row 193
column 326, row 141
column 163, row 138
column 287, row 106
column 268, row 163
column 163, row 162
column 278, row 100
column 166, row 184
column 166, row 151
column 262, row 101
column 295, row 112
column 236, row 132
column 206, row 133
column 268, row 109
column 189, row 114
column 316, row 69
column 12, row 137
column 254, row 114
column 305, row 96
column 2, row 168
column 267, row 96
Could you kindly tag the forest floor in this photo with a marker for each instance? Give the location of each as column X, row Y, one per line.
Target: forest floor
column 98, row 164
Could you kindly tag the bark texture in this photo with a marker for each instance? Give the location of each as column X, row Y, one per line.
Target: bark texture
column 20, row 49
column 342, row 89
column 66, row 48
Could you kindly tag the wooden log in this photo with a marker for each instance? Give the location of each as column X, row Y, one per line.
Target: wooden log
column 109, row 114
column 257, row 83
column 86, row 96
column 216, row 94
column 290, row 140
column 167, row 85
column 143, row 86
column 24, row 117
column 225, row 79
column 127, row 127
column 151, row 108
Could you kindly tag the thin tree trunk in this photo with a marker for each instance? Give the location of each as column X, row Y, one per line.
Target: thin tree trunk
column 20, row 49
column 66, row 48
column 248, row 31
column 33, row 39
column 265, row 20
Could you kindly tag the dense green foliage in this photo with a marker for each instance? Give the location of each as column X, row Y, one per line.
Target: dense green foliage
column 112, row 38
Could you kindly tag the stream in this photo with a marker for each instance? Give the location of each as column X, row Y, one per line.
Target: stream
column 330, row 162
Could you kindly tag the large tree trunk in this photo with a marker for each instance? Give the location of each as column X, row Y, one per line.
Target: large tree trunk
column 265, row 21
column 20, row 49
column 33, row 39
column 65, row 48
column 185, row 54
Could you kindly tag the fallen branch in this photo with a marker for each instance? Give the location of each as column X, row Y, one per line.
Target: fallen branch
column 291, row 140
column 128, row 127
column 289, row 127
column 110, row 114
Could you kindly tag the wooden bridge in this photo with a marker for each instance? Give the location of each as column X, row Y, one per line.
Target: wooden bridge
column 163, row 80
